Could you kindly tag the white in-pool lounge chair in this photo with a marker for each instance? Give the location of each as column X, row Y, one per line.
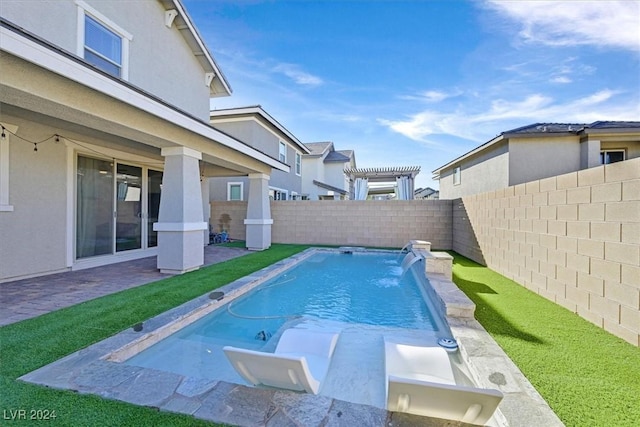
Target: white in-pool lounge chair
column 420, row 381
column 300, row 361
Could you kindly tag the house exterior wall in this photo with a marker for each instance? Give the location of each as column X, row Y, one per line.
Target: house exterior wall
column 484, row 172
column 260, row 138
column 531, row 159
column 33, row 235
column 152, row 44
column 312, row 170
column 334, row 175
column 572, row 238
column 348, row 222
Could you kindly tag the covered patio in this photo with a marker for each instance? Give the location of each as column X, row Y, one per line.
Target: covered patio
column 103, row 172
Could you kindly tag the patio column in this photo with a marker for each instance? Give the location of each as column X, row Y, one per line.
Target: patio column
column 206, row 208
column 180, row 221
column 258, row 221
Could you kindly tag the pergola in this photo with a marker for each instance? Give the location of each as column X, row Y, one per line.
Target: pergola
column 401, row 179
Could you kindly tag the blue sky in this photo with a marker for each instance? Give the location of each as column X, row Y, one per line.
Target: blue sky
column 421, row 82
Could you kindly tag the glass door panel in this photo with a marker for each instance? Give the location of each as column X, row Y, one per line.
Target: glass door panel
column 94, row 215
column 153, row 205
column 128, row 208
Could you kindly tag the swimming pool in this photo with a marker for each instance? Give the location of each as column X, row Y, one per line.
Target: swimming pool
column 364, row 295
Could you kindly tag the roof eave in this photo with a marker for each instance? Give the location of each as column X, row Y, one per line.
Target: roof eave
column 257, row 110
column 219, row 86
column 468, row 154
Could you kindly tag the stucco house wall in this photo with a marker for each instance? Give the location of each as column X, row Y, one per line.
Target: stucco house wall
column 159, row 57
column 485, row 171
column 530, row 160
column 261, row 136
column 33, row 238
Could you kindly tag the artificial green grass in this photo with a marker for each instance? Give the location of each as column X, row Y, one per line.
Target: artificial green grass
column 588, row 376
column 30, row 344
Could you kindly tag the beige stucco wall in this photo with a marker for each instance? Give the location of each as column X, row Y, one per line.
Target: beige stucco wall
column 33, row 236
column 483, row 172
column 149, row 66
column 574, row 239
column 347, row 222
column 540, row 158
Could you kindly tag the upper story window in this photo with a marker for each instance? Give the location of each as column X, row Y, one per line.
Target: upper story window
column 101, row 42
column 456, row 176
column 102, row 47
column 611, row 156
column 282, row 153
column 298, row 164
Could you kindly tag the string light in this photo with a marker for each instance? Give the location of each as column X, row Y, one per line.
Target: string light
column 56, row 138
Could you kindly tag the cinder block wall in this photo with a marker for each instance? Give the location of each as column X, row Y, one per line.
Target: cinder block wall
column 348, row 222
column 574, row 239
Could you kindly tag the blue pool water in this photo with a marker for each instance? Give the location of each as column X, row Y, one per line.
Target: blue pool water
column 367, row 290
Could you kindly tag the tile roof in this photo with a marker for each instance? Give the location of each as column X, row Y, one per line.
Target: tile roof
column 317, row 148
column 547, row 128
column 338, row 156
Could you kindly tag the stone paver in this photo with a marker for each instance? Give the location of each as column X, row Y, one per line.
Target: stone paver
column 27, row 298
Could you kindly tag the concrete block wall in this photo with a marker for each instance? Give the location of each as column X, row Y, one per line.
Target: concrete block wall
column 349, row 222
column 573, row 238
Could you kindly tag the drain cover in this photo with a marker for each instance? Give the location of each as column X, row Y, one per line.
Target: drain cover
column 448, row 344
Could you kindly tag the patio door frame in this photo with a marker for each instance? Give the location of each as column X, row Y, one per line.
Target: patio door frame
column 115, row 158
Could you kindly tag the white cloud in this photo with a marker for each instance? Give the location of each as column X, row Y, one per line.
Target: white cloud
column 431, row 96
column 571, row 23
column 561, row 80
column 502, row 115
column 297, row 75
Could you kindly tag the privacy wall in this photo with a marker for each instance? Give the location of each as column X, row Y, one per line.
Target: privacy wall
column 574, row 239
column 389, row 223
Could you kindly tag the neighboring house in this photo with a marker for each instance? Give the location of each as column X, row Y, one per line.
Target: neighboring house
column 324, row 177
column 259, row 130
column 426, row 194
column 104, row 108
column 535, row 152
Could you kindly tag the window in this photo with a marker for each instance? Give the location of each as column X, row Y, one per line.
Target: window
column 611, row 156
column 456, row 176
column 275, row 194
column 102, row 47
column 282, row 154
column 234, row 191
column 298, row 164
column 101, row 42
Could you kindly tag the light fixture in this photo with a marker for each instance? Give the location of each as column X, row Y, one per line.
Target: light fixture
column 4, row 136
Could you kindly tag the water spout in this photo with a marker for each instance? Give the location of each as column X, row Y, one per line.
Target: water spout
column 408, row 261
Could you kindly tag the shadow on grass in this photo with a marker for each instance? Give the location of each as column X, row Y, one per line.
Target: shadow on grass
column 486, row 313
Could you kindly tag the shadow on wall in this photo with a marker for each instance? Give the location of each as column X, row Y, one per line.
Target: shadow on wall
column 465, row 241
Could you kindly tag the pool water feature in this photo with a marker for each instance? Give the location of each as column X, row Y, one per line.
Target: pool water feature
column 365, row 296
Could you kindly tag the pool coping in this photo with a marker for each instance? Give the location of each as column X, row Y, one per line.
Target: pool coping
column 95, row 370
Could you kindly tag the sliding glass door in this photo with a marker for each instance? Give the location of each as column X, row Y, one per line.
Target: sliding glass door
column 116, row 206
column 128, row 208
column 94, row 211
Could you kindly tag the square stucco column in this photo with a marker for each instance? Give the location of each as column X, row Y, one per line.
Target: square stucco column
column 258, row 221
column 180, row 221
column 206, row 208
column 589, row 154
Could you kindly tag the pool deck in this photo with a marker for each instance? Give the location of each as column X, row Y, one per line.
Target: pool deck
column 88, row 371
